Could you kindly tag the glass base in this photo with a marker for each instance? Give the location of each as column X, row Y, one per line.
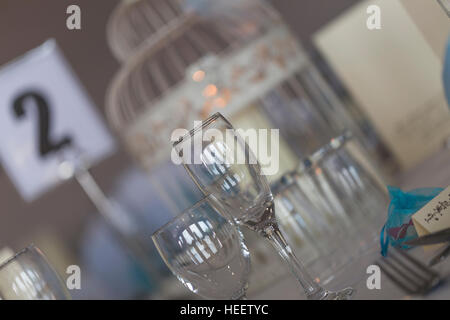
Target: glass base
column 344, row 294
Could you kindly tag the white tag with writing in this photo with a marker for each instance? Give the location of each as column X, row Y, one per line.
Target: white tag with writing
column 434, row 216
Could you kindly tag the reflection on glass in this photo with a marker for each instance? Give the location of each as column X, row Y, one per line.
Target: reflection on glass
column 28, row 276
column 205, row 251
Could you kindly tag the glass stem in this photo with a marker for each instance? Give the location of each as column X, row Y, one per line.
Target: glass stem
column 312, row 290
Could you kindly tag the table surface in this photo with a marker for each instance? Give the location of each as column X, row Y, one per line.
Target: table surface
column 355, row 276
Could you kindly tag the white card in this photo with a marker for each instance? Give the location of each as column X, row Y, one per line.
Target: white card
column 44, row 108
column 434, row 216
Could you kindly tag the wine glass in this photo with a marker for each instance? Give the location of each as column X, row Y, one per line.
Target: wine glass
column 28, row 276
column 206, row 251
column 221, row 163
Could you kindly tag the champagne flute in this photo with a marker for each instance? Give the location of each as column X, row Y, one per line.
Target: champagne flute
column 221, row 163
column 28, row 276
column 205, row 251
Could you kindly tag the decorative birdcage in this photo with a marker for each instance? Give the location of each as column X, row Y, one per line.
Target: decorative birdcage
column 134, row 22
column 238, row 58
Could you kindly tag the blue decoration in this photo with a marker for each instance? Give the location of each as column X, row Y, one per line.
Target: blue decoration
column 399, row 226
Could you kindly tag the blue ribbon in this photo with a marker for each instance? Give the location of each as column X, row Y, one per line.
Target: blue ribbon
column 403, row 205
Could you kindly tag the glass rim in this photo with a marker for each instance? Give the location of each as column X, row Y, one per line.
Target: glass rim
column 208, row 121
column 282, row 183
column 30, row 248
column 333, row 145
column 184, row 212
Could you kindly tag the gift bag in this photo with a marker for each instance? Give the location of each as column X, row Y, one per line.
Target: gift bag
column 399, row 226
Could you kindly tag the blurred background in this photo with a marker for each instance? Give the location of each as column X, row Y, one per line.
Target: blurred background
column 344, row 77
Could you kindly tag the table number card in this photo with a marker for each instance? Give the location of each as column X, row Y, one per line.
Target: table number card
column 43, row 109
column 434, row 216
